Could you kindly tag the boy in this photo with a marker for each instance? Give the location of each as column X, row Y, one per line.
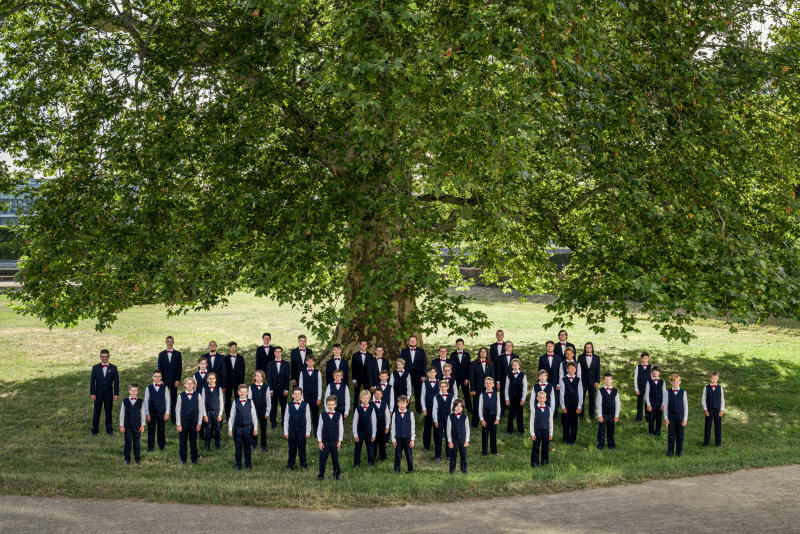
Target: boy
column 502, row 368
column 440, row 362
column 200, row 380
column 297, row 359
column 171, row 365
column 640, row 377
column 242, row 426
column 265, row 353
column 460, row 361
column 375, row 367
column 654, row 394
column 403, row 434
column 336, row 363
column 417, row 364
column 386, row 388
column 441, row 408
column 550, row 391
column 383, row 417
column 714, row 406
column 214, row 406
column 481, row 368
column 590, row 369
column 571, row 390
column 189, row 412
column 676, row 414
column 297, row 428
column 278, row 380
column 452, row 383
column 338, row 388
column 103, row 390
column 429, row 389
column 234, row 374
column 516, row 391
column 365, row 427
column 216, row 363
column 400, row 381
column 458, row 436
column 361, row 371
column 607, row 403
column 156, row 411
column 330, row 433
column 551, row 363
column 131, row 422
column 262, row 401
column 489, row 413
column 310, row 382
column 497, row 347
column 541, row 429
column 562, row 345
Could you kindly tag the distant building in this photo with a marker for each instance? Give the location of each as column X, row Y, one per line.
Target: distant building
column 14, row 204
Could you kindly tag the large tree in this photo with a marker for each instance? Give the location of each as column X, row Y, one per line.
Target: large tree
column 327, row 154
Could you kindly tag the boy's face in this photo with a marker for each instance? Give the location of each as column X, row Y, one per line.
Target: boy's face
column 569, row 355
column 301, row 341
column 385, row 378
column 203, row 365
column 266, row 340
column 550, row 348
column 379, row 352
column 446, row 371
column 331, row 406
column 509, row 347
column 378, row 394
column 258, row 378
column 515, row 366
column 133, row 392
column 364, row 400
column 401, row 364
column 337, row 351
column 432, row 374
column 104, row 357
column 170, row 342
column 188, row 386
column 656, row 374
column 212, row 380
column 571, row 370
column 460, row 345
column 541, row 399
column 488, row 384
column 337, row 377
column 542, row 378
column 278, row 354
column 499, row 335
column 402, row 405
column 363, row 346
column 412, row 341
column 296, row 395
column 444, row 387
column 713, row 379
column 458, row 408
column 443, row 353
column 676, row 383
column 232, row 349
column 607, row 380
column 156, row 378
column 310, row 363
column 212, row 347
column 243, row 393
column 562, row 336
column 645, row 360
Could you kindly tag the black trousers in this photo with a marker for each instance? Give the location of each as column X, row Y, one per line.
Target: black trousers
column 155, row 429
column 297, row 445
column 475, row 411
column 273, row 416
column 592, row 391
column 132, row 438
column 188, row 434
column 515, row 412
column 540, row 444
column 329, row 448
column 107, row 404
column 173, row 398
column 370, row 445
column 380, row 442
column 466, row 396
column 440, row 438
column 570, row 430
column 639, row 404
column 458, row 450
column 489, row 437
column 654, row 421
column 212, row 430
column 606, row 430
column 403, row 446
column 713, row 417
column 416, row 385
column 427, row 430
column 242, row 441
column 261, row 413
column 675, row 439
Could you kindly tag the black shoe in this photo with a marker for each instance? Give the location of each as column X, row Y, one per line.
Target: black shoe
column 320, row 477
column 289, row 467
column 601, row 447
column 534, row 465
column 194, row 462
column 679, row 454
column 336, row 477
column 452, row 471
column 127, row 462
column 705, row 444
column 183, row 462
column 217, row 446
column 397, row 470
column 437, row 459
column 263, row 449
column 110, row 432
column 237, row 467
column 304, row 467
column 612, row 447
column 94, row 432
column 248, row 467
column 161, row 448
column 669, row 454
column 150, row 450
column 464, row 471
column 136, row 462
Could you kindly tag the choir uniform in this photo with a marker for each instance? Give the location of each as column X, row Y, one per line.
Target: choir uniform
column 478, row 372
column 264, row 355
column 156, row 405
column 403, row 432
column 360, row 369
column 401, row 385
column 571, row 399
column 214, row 407
column 516, row 391
column 131, row 418
column 372, row 374
column 551, row 392
column 416, row 364
column 189, row 412
column 541, row 427
column 383, row 418
column 552, row 364
column 216, row 365
column 714, row 401
column 330, row 431
column 262, row 401
column 438, row 364
column 458, row 435
column 104, row 385
column 242, row 422
column 297, row 425
column 278, row 378
column 640, row 377
column 461, row 369
column 388, row 394
column 342, row 393
column 311, row 384
column 489, row 411
column 335, row 364
column 501, row 369
column 654, row 394
column 590, row 367
column 441, row 408
column 365, row 426
column 560, row 349
column 234, row 377
column 607, row 403
column 429, row 389
column 170, row 364
column 676, row 410
column 297, row 362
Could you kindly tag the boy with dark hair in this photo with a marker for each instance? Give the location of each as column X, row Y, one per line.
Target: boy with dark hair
column 365, row 427
column 457, row 435
column 330, row 433
column 279, row 380
column 214, row 406
column 234, row 374
column 541, row 429
column 297, row 428
column 654, row 394
column 516, row 391
column 262, row 403
column 607, row 403
column 571, row 390
column 103, row 390
column 310, row 382
column 297, row 358
column 338, row 388
column 189, row 412
column 156, row 411
column 170, row 364
column 361, row 367
column 131, row 423
column 403, row 434
column 489, row 414
column 640, row 377
column 336, row 363
column 242, row 426
column 676, row 415
column 460, row 360
column 713, row 402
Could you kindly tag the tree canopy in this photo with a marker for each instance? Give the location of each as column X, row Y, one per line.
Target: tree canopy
column 326, row 154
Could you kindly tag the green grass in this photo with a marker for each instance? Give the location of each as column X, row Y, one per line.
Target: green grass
column 45, row 414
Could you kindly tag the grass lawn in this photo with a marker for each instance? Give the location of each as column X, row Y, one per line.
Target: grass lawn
column 47, row 449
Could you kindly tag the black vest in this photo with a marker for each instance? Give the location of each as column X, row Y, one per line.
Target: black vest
column 515, row 385
column 339, row 392
column 190, row 409
column 571, row 391
column 212, row 399
column 541, row 418
column 656, row 392
column 642, row 377
column 330, row 427
column 400, row 383
column 402, row 424
column 310, row 383
column 458, row 428
column 133, row 413
column 259, row 397
column 548, row 389
column 364, row 426
column 157, row 400
column 443, row 408
column 430, row 393
column 489, row 406
column 242, row 416
column 297, row 417
column 608, row 406
column 675, row 403
column 713, row 397
column 380, row 413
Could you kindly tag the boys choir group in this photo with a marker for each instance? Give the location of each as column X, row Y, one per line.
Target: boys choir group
column 490, row 386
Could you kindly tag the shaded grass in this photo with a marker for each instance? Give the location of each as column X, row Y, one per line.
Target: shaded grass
column 47, row 450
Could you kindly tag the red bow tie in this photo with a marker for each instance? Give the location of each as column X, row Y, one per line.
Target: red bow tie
column 444, row 395
column 337, row 359
column 331, row 413
column 516, row 373
column 242, row 401
column 713, row 385
column 402, row 413
column 608, row 389
column 379, row 358
column 189, row 395
column 460, row 353
column 202, row 373
column 169, row 352
column 363, row 353
column 384, row 385
column 211, row 388
column 489, row 393
column 542, row 407
column 458, row 415
column 378, row 403
column 259, row 386
column 675, row 390
column 337, row 383
column 133, row 399
column 297, row 404
column 549, row 355
column 105, row 365
column 570, row 378
column 443, row 360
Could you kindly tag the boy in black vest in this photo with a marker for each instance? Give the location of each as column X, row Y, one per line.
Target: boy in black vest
column 189, row 412
column 330, row 433
column 403, row 434
column 457, row 436
column 214, row 406
column 516, row 390
column 156, row 411
column 170, row 364
column 607, row 403
column 279, row 381
column 429, row 389
column 200, row 378
column 654, row 394
column 334, row 364
column 375, row 366
column 640, row 377
column 387, row 389
column 297, row 428
column 714, row 406
column 365, row 427
column 452, row 383
column 489, row 413
column 259, row 394
column 676, row 414
column 442, row 403
column 310, row 382
column 480, row 369
column 551, row 362
column 541, row 429
column 338, row 388
column 550, row 392
column 103, row 390
column 242, row 427
column 571, row 390
column 400, row 381
column 131, row 423
column 383, row 417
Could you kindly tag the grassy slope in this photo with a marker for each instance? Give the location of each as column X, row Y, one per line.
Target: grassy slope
column 52, row 453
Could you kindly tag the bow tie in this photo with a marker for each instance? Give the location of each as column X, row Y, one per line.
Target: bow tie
column 189, row 395
column 337, row 383
column 458, row 415
column 483, row 361
column 570, row 378
column 490, row 394
column 443, row 360
column 331, row 413
column 542, row 407
column 133, row 399
column 549, row 355
column 644, row 365
column 402, row 413
column 337, row 359
column 460, row 353
column 211, row 388
column 384, row 385
column 379, row 358
column 377, row 403
column 444, row 395
column 203, row 373
column 242, row 401
column 105, row 365
column 363, row 353
column 563, row 343
column 675, row 390
column 713, row 385
column 516, row 373
column 608, row 389
column 432, row 382
column 543, row 385
column 297, row 404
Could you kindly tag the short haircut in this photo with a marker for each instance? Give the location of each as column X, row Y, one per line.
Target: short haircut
column 446, row 382
column 104, row 351
column 447, row 366
column 232, row 344
column 170, row 337
column 459, row 340
column 278, row 348
column 509, row 343
column 499, row 331
column 209, row 375
column 572, row 364
column 402, row 398
column 364, row 393
column 338, row 372
column 608, row 375
column 383, row 372
column 713, row 373
column 548, row 342
column 378, row 390
column 412, row 336
column 458, row 402
column 545, row 373
column 133, row 385
column 302, row 336
column 442, row 347
column 516, row 360
column 158, row 372
column 190, row 379
column 379, row 347
column 655, row 368
column 488, row 378
column 569, row 349
column 674, row 376
column 265, row 334
column 331, row 398
column 337, row 346
column 432, row 368
column 562, row 330
column 212, row 341
column 201, row 359
column 241, row 387
column 297, row 389
column 310, row 357
column 259, row 372
column 645, row 353
column 541, row 393
column 399, row 361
